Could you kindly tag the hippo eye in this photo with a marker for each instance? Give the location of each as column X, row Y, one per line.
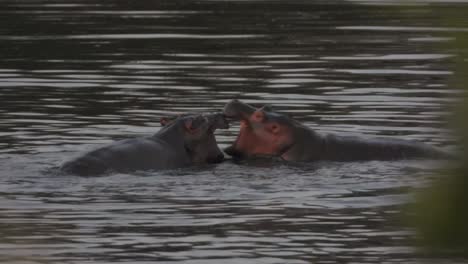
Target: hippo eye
column 259, row 115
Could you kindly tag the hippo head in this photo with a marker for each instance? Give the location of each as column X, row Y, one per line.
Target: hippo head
column 197, row 132
column 262, row 132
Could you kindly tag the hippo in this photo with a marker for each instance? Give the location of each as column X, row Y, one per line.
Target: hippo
column 264, row 132
column 182, row 142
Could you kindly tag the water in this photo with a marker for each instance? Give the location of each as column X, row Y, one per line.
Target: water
column 78, row 74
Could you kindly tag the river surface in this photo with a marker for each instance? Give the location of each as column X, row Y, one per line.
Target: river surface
column 77, row 74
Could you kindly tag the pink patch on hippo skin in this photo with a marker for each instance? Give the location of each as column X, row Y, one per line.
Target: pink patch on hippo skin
column 189, row 126
column 258, row 116
column 244, row 124
column 263, row 139
column 164, row 121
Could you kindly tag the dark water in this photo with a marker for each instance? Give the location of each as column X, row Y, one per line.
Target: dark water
column 76, row 74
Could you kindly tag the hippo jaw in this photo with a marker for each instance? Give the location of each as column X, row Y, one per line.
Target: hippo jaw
column 256, row 136
column 217, row 120
column 206, row 149
column 236, row 150
column 236, row 110
column 195, row 135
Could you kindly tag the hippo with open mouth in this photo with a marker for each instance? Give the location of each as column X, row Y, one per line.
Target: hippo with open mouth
column 267, row 133
column 182, row 142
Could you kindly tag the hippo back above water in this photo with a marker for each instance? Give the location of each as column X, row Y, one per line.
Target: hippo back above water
column 183, row 142
column 267, row 133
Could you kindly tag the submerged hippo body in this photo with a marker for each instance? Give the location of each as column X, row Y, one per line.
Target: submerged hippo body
column 183, row 142
column 266, row 133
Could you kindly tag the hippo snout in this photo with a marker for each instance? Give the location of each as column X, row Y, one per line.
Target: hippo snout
column 238, row 110
column 219, row 120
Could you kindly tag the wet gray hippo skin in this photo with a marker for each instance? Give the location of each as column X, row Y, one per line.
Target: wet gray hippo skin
column 183, row 142
column 266, row 133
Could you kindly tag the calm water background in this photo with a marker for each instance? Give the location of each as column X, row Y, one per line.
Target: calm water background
column 77, row 74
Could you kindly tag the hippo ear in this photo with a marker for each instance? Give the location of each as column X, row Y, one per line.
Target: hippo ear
column 164, row 121
column 267, row 108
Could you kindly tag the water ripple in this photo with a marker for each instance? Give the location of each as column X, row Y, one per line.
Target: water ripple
column 77, row 75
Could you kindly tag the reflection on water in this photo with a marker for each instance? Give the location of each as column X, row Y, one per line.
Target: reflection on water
column 78, row 74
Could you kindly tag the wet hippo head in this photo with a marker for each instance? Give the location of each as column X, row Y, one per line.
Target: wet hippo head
column 262, row 132
column 198, row 135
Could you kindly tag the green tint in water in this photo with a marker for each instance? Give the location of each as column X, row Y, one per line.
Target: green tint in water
column 443, row 211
